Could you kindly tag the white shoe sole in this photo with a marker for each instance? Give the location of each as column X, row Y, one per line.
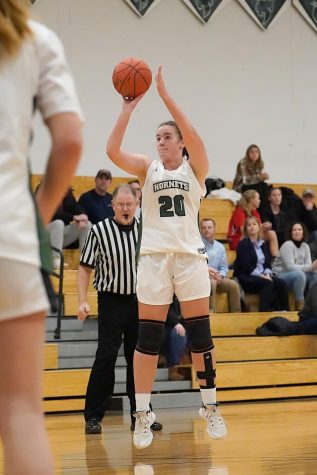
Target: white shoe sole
column 144, row 444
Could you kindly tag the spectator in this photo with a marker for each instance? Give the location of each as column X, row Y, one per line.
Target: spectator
column 96, row 203
column 247, row 207
column 33, row 75
column 272, row 213
column 112, row 240
column 308, row 213
column 250, row 173
column 313, row 249
column 308, row 314
column 174, row 341
column 293, row 263
column 137, row 187
column 218, row 267
column 69, row 224
column 252, row 267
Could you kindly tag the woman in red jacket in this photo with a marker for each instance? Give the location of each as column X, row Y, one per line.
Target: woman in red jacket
column 247, row 207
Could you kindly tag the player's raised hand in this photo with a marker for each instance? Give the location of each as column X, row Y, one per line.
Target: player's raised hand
column 130, row 104
column 160, row 84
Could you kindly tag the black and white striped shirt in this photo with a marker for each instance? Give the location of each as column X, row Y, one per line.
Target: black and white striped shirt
column 110, row 249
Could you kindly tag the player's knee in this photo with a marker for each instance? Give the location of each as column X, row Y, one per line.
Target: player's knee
column 150, row 337
column 198, row 333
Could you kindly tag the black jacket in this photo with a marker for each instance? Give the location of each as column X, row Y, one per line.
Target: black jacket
column 68, row 208
column 280, row 223
column 246, row 259
column 308, row 217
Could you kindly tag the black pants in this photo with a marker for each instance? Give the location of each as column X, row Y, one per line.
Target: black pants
column 117, row 317
column 273, row 294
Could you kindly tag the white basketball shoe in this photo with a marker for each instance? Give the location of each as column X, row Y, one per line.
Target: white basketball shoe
column 216, row 426
column 142, row 436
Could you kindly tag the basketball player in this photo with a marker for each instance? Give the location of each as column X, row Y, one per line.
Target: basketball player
column 172, row 256
column 33, row 73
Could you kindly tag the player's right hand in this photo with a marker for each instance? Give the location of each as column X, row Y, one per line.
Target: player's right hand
column 130, row 104
column 83, row 311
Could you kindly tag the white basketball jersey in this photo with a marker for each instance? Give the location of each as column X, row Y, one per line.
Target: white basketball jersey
column 170, row 205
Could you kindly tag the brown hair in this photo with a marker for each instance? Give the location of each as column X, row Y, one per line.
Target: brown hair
column 245, row 199
column 273, row 189
column 251, row 166
column 289, row 232
column 208, row 219
column 14, row 28
column 247, row 221
column 172, row 123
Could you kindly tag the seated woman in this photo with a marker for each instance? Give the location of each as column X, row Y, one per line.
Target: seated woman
column 252, row 268
column 308, row 315
column 247, row 207
column 272, row 213
column 293, row 263
column 250, row 173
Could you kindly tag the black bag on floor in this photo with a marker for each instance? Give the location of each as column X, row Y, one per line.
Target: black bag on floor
column 214, row 183
column 278, row 326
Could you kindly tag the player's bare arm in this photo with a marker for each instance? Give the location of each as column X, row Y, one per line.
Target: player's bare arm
column 198, row 158
column 132, row 163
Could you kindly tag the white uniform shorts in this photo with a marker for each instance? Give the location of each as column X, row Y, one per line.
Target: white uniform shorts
column 22, row 290
column 161, row 275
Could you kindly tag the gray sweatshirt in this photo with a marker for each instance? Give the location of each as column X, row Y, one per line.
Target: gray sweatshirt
column 291, row 258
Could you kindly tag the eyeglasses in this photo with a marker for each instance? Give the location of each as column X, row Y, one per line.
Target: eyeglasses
column 124, row 205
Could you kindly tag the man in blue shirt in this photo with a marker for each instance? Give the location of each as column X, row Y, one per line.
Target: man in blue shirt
column 97, row 202
column 218, row 267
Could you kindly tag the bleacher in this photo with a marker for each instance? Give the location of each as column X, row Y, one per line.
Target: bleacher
column 249, row 367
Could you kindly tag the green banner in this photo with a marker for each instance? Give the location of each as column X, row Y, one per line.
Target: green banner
column 308, row 8
column 203, row 9
column 263, row 11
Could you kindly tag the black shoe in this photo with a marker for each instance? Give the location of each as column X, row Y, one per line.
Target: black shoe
column 156, row 426
column 93, row 426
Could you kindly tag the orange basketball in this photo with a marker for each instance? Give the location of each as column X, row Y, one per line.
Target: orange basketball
column 131, row 77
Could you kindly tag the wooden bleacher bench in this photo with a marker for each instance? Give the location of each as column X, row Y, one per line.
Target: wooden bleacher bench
column 242, row 324
column 81, row 184
column 50, row 356
column 220, row 211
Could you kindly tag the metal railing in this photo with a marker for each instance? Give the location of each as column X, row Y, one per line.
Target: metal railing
column 60, row 300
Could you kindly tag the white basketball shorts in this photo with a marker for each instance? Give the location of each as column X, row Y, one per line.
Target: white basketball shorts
column 161, row 275
column 22, row 290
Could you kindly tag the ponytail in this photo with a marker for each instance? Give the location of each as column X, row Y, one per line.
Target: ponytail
column 245, row 201
column 14, row 28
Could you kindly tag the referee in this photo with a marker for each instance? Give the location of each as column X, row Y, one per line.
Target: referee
column 110, row 250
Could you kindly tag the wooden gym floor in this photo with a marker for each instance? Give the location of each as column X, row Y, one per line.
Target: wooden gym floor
column 272, row 438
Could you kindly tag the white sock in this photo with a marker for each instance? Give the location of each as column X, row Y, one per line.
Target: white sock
column 208, row 396
column 142, row 402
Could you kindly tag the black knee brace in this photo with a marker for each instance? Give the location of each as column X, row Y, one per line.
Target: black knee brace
column 200, row 340
column 150, row 337
column 209, row 374
column 198, row 333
